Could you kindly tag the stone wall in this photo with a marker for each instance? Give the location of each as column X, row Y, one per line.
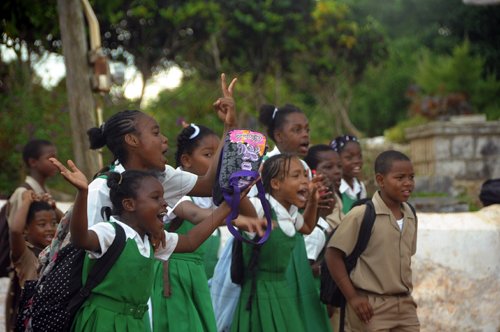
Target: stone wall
column 455, row 157
column 465, row 148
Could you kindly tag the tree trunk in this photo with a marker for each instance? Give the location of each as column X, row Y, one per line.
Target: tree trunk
column 80, row 99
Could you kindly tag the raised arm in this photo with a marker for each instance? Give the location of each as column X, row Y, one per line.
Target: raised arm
column 16, row 229
column 81, row 236
column 227, row 114
column 311, row 211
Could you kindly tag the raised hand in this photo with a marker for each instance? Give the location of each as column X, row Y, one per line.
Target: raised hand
column 225, row 106
column 29, row 196
column 73, row 175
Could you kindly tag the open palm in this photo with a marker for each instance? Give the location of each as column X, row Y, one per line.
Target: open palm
column 73, row 175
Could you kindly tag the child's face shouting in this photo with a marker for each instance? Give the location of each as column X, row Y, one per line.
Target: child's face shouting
column 293, row 137
column 293, row 189
column 152, row 145
column 352, row 161
column 41, row 229
column 331, row 167
column 150, row 206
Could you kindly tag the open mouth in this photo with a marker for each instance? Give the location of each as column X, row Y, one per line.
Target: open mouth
column 303, row 195
column 162, row 216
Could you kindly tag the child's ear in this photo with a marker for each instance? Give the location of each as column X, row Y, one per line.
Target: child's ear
column 131, row 139
column 128, row 204
column 32, row 162
column 380, row 180
column 186, row 161
column 275, row 184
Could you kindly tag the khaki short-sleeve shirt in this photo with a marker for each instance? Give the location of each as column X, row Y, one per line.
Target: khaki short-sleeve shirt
column 385, row 265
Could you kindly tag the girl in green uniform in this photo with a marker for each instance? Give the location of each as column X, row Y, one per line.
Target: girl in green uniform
column 268, row 302
column 119, row 302
column 288, row 128
column 181, row 302
column 351, row 188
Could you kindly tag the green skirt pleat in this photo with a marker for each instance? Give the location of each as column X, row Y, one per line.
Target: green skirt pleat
column 299, row 275
column 189, row 308
column 274, row 308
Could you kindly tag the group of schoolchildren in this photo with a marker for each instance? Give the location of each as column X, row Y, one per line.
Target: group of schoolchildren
column 171, row 226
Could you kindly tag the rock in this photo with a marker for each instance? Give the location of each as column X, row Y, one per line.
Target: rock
column 456, row 271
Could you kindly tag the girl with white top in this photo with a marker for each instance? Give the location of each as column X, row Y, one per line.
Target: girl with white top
column 119, row 302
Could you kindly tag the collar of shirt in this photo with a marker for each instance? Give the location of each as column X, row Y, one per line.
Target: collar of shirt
column 346, row 189
column 286, row 218
column 143, row 245
column 37, row 188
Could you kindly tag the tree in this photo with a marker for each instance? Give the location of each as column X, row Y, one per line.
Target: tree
column 338, row 52
column 80, row 98
column 152, row 35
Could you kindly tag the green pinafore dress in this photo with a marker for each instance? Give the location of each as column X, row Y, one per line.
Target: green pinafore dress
column 274, row 306
column 189, row 306
column 300, row 278
column 119, row 302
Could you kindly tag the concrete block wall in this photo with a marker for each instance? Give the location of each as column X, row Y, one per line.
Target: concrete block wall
column 464, row 148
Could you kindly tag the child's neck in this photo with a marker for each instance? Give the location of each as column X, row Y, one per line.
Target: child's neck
column 394, row 206
column 282, row 201
column 38, row 178
column 350, row 181
column 132, row 223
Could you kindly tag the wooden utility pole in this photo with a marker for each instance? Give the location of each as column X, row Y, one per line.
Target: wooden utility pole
column 80, row 98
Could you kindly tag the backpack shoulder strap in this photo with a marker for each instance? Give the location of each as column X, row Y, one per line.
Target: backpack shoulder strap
column 363, row 236
column 26, row 186
column 101, row 267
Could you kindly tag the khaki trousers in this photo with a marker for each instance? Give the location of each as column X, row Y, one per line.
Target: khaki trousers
column 390, row 313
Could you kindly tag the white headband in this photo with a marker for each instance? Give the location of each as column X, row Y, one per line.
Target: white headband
column 274, row 113
column 196, row 131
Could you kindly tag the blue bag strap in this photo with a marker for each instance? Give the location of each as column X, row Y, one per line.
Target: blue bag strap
column 233, row 200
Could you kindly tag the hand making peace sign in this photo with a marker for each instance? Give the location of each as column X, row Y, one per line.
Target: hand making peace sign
column 225, row 105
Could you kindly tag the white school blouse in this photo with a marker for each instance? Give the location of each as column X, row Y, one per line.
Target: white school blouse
column 289, row 221
column 176, row 183
column 106, row 234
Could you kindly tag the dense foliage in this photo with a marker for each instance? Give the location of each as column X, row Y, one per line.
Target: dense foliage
column 347, row 63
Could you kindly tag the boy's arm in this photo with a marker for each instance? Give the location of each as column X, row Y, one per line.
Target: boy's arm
column 16, row 229
column 81, row 236
column 226, row 112
column 334, row 259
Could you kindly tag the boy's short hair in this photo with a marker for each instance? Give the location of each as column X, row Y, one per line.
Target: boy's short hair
column 33, row 149
column 384, row 161
column 35, row 207
column 490, row 192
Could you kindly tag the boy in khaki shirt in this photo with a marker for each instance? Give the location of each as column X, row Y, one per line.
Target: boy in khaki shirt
column 378, row 289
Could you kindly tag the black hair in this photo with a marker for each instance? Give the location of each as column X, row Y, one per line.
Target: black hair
column 384, row 161
column 277, row 166
column 339, row 143
column 186, row 144
column 112, row 133
column 125, row 185
column 490, row 192
column 274, row 118
column 33, row 149
column 312, row 156
column 37, row 206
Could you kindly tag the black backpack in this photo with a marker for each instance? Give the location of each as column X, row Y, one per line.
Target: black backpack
column 329, row 291
column 5, row 262
column 51, row 302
